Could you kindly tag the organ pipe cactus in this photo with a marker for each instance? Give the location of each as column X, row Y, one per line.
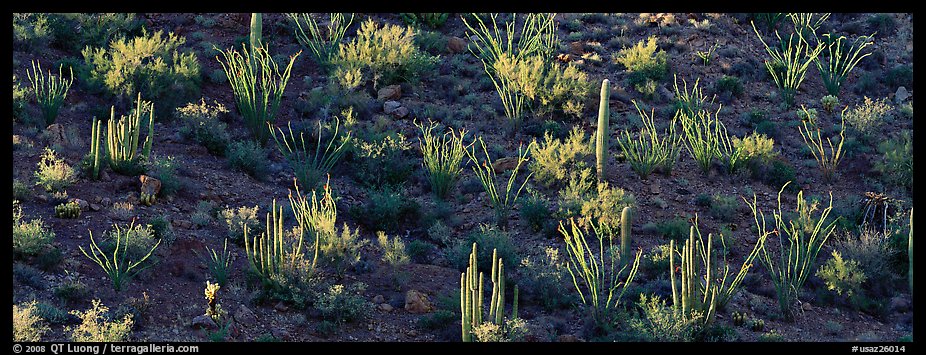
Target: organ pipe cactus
column 910, row 253
column 626, row 216
column 96, row 130
column 601, row 139
column 471, row 296
column 122, row 138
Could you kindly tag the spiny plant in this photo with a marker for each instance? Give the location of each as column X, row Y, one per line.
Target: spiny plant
column 910, row 253
column 601, row 275
column 707, row 55
column 316, row 216
column 601, row 136
column 49, row 91
column 258, row 84
column 839, row 59
column 472, row 296
column 119, row 268
column 322, row 43
column 789, row 63
column 442, row 156
column 800, row 239
column 270, row 256
column 702, row 132
column 648, row 151
column 697, row 296
column 431, row 19
column 53, row 174
column 806, row 25
column 733, row 155
column 68, row 210
column 485, row 170
column 827, row 159
column 311, row 167
column 690, row 102
column 122, row 139
column 218, row 263
column 96, row 131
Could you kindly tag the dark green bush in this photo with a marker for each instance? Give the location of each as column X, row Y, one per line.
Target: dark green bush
column 729, row 86
column 386, row 209
column 676, row 228
column 341, row 304
column 74, row 31
column 900, row 75
column 384, row 161
column 487, row 239
column 165, row 169
column 202, row 124
column 543, row 279
column 535, row 211
column 896, row 163
column 249, row 157
column 725, row 208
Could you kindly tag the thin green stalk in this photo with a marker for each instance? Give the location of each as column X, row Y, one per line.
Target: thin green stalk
column 838, row 60
column 322, row 43
column 310, row 168
column 485, row 170
column 648, row 151
column 116, row 266
column 827, row 159
column 789, row 63
column 442, row 157
column 50, row 91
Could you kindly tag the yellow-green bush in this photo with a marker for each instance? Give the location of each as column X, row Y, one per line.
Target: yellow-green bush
column 554, row 160
column 27, row 325
column 645, row 64
column 53, row 173
column 95, row 326
column 385, row 55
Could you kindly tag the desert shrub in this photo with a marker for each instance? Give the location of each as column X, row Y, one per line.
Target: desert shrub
column 202, row 124
column 383, row 162
column 554, row 160
column 344, row 304
column 724, row 208
column 308, row 164
column 151, row 65
column 204, row 213
column 394, row 251
column 656, row 262
column 756, row 148
column 645, row 64
column 50, row 313
column 487, row 239
column 437, row 320
column 440, row 232
column 30, row 29
column 883, row 22
column 27, row 275
column 546, row 87
column 661, row 323
column 386, row 209
column 237, row 220
column 900, row 75
column 431, row 41
column 384, row 55
column 875, row 258
column 842, row 276
column 322, row 45
column 21, row 191
column 441, row 157
column 430, row 19
column 29, row 238
column 896, row 163
column 97, row 325
column 162, row 229
column 420, row 251
column 20, row 101
column 601, row 204
column 53, row 173
column 342, row 250
column 675, row 228
column 543, row 278
column 71, row 290
column 867, row 116
column 535, row 211
column 729, row 86
column 829, row 103
column 74, row 31
column 778, row 172
column 514, row 330
column 250, row 157
column 27, row 325
column 165, row 170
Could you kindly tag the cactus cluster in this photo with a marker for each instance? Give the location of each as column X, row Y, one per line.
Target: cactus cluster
column 739, row 319
column 147, row 199
column 268, row 253
column 50, row 91
column 756, row 325
column 122, row 137
column 471, row 296
column 67, row 210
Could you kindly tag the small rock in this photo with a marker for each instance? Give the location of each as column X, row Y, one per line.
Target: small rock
column 245, row 316
column 280, row 307
column 204, row 322
column 400, row 112
column 182, row 223
column 654, row 188
column 106, row 201
column 576, row 48
column 84, row 205
column 97, row 199
column 806, row 307
column 104, row 176
column 412, row 333
column 55, row 135
column 504, row 164
column 95, row 207
column 901, row 95
column 417, row 302
column 567, row 338
column 456, row 44
column 391, row 92
column 385, row 307
column 379, row 299
column 390, row 107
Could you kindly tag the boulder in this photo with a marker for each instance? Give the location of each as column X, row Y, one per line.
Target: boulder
column 245, row 316
column 417, row 302
column 901, row 95
column 391, row 92
column 150, row 185
column 204, row 322
column 84, row 205
column 55, row 135
column 390, row 107
column 504, row 164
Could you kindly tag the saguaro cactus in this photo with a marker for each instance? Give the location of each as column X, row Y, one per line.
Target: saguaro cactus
column 910, row 253
column 471, row 296
column 256, row 29
column 601, row 139
column 626, row 216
